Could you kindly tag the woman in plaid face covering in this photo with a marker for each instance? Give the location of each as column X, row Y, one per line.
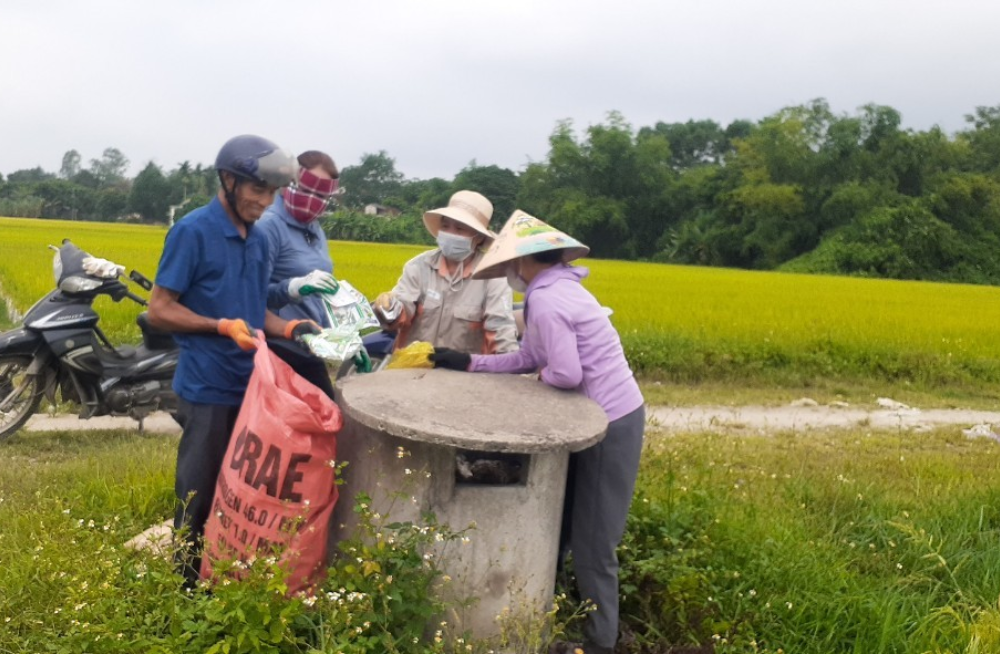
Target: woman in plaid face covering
column 301, row 269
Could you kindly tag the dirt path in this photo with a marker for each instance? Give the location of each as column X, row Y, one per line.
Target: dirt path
column 797, row 416
column 791, row 417
column 158, row 422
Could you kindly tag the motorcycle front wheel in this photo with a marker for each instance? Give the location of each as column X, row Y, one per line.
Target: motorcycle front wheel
column 20, row 394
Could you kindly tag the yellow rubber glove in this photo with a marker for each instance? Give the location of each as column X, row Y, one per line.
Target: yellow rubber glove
column 413, row 355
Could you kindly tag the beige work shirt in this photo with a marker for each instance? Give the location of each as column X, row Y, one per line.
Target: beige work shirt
column 469, row 315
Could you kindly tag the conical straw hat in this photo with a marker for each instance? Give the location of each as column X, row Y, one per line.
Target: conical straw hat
column 524, row 235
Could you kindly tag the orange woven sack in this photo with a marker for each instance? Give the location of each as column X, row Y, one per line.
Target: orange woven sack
column 277, row 486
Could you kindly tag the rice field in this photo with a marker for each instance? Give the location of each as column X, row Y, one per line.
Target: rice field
column 677, row 322
column 26, row 274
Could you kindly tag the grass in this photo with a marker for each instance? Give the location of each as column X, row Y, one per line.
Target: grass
column 69, row 502
column 822, row 542
column 850, row 541
column 66, row 499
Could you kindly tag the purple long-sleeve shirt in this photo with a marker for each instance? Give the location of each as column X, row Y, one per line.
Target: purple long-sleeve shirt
column 570, row 338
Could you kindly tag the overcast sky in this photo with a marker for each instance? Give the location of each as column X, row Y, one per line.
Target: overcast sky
column 440, row 83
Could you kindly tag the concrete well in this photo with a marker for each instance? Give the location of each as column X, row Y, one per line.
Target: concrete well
column 496, row 449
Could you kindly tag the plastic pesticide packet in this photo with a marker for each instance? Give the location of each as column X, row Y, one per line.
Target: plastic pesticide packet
column 413, row 355
column 335, row 344
column 349, row 307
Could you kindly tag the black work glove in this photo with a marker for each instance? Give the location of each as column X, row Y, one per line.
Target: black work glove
column 451, row 359
column 299, row 329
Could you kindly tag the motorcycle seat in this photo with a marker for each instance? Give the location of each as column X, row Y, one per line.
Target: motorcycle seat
column 154, row 337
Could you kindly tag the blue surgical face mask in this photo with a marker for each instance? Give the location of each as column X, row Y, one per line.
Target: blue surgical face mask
column 454, row 247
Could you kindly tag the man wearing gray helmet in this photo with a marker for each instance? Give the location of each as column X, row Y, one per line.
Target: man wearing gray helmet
column 211, row 292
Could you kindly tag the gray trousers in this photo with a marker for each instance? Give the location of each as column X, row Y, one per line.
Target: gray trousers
column 599, row 492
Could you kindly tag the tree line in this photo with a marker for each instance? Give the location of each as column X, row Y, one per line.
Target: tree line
column 804, row 189
column 102, row 192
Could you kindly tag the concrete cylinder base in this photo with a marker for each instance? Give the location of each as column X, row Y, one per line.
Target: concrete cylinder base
column 481, row 450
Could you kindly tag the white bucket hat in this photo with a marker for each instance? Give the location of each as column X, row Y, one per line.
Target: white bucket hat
column 468, row 208
column 524, row 235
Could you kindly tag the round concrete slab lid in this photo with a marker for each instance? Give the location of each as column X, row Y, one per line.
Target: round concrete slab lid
column 482, row 412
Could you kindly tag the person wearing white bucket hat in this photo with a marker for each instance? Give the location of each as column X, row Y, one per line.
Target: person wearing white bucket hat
column 435, row 301
column 569, row 339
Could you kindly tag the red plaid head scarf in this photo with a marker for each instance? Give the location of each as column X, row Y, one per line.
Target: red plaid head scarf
column 307, row 199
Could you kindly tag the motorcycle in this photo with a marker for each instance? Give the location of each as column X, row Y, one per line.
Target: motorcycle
column 59, row 346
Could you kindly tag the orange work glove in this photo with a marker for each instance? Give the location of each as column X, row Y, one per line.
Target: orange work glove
column 240, row 331
column 294, row 330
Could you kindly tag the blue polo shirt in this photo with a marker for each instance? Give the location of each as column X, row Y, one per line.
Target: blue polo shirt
column 294, row 250
column 218, row 274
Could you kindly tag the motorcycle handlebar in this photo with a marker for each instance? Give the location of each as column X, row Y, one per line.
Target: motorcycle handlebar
column 133, row 297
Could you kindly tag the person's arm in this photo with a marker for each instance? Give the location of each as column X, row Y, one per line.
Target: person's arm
column 277, row 294
column 550, row 344
column 500, row 331
column 277, row 291
column 408, row 290
column 562, row 368
column 177, row 271
column 179, row 263
column 515, row 362
column 274, row 325
column 167, row 313
column 521, row 361
column 290, row 289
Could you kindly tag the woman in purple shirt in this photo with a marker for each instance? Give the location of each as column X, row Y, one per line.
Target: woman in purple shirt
column 570, row 341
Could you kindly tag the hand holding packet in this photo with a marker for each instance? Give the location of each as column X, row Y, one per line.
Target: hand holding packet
column 334, row 344
column 349, row 314
column 349, row 307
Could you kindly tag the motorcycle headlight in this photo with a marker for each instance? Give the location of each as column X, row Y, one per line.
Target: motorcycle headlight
column 75, row 284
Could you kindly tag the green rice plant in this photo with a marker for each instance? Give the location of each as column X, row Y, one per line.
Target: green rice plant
column 26, row 269
column 692, row 324
column 371, row 268
column 677, row 323
column 26, row 276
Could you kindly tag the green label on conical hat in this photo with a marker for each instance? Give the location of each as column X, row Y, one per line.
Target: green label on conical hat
column 526, row 225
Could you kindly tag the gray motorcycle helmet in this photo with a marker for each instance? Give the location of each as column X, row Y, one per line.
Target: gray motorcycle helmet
column 259, row 160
